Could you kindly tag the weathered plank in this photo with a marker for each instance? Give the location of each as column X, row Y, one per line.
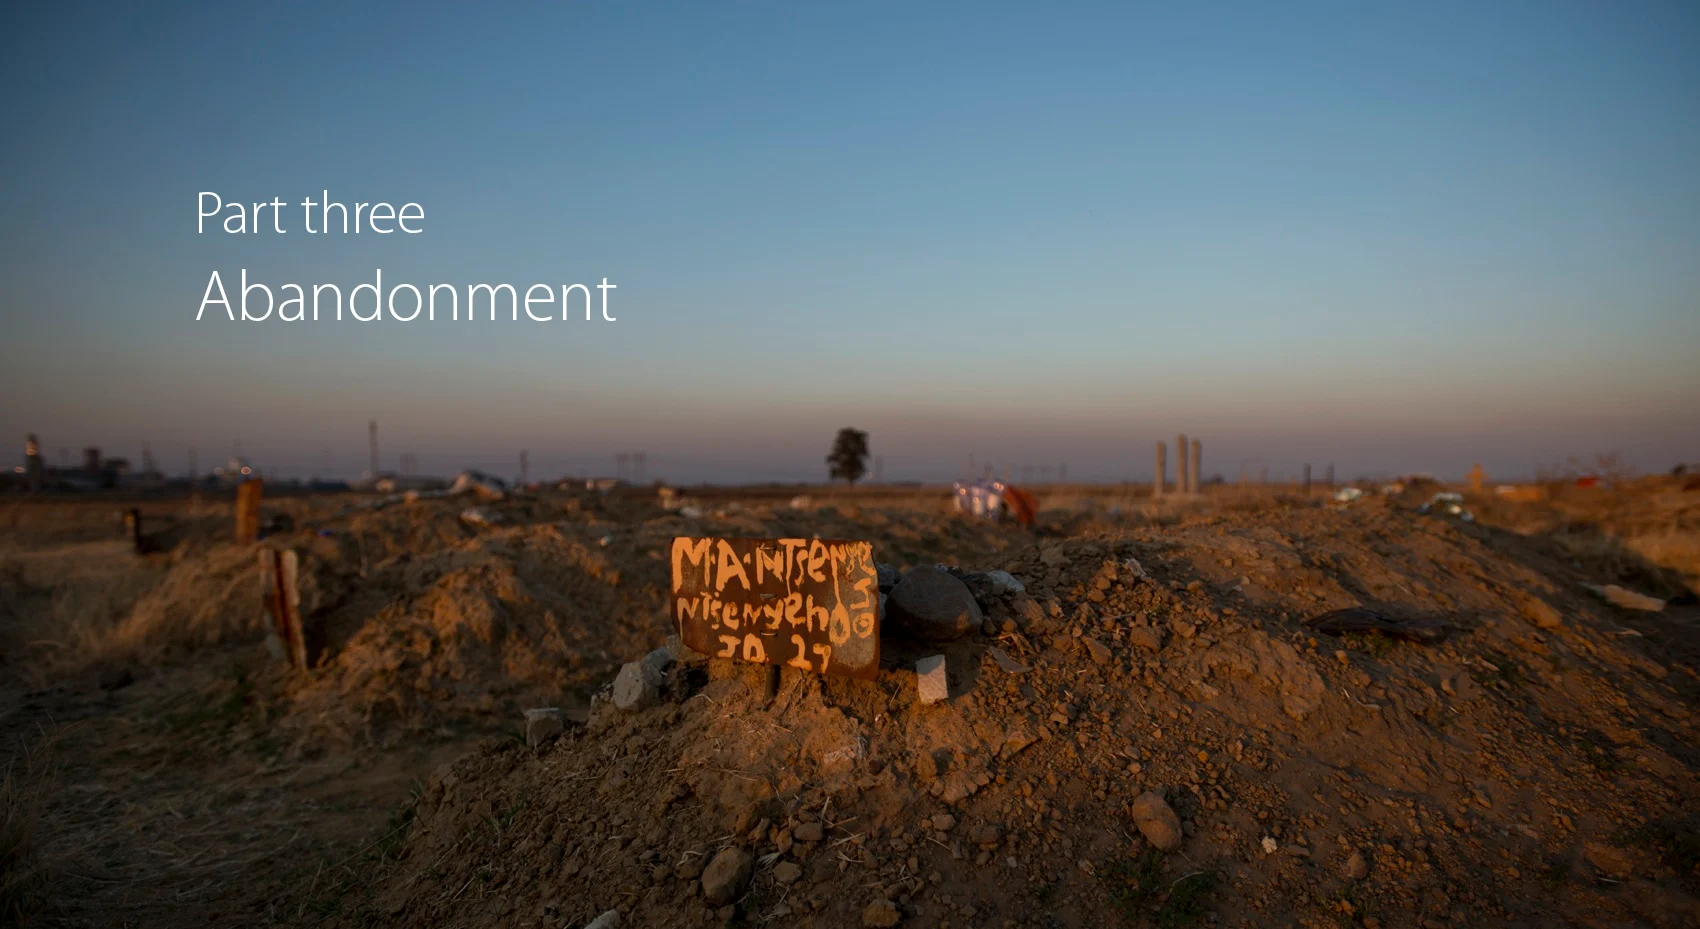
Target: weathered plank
column 810, row 604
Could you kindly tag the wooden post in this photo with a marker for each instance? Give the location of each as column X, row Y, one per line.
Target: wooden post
column 1197, row 465
column 133, row 522
column 1477, row 477
column 280, row 577
column 1181, row 472
column 1162, row 474
column 248, row 511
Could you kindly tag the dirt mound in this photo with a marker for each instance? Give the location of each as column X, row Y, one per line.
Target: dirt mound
column 432, row 619
column 1536, row 765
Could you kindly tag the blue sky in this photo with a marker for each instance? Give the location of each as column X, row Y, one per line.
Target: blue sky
column 1391, row 237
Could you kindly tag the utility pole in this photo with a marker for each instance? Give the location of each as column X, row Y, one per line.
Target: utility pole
column 1161, row 476
column 524, row 468
column 372, row 438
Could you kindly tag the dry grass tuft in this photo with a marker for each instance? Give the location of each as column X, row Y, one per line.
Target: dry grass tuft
column 22, row 874
column 87, row 606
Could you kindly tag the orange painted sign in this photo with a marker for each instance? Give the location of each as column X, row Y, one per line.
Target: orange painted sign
column 809, row 604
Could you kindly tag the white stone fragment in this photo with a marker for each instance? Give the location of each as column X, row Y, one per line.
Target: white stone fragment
column 930, row 679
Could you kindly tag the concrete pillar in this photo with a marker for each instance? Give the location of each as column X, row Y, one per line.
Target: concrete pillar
column 1162, row 472
column 1197, row 465
column 1181, row 472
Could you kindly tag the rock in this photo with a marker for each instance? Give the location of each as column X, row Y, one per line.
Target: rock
column 1004, row 582
column 682, row 653
column 1626, row 598
column 1356, row 869
column 980, row 587
column 985, row 834
column 1005, row 662
column 808, row 832
column 1539, row 612
column 888, row 576
column 990, row 587
column 880, row 914
column 1098, row 652
column 1610, row 859
column 724, row 878
column 637, row 687
column 930, row 604
column 658, row 662
column 542, row 724
column 608, row 920
column 930, row 679
column 1159, row 824
column 480, row 516
column 1145, row 637
column 944, row 822
column 1029, row 612
column 116, row 678
column 1182, row 628
column 787, row 872
column 1053, row 557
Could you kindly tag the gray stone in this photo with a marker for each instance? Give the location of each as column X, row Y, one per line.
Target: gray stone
column 724, row 878
column 787, row 872
column 658, row 661
column 929, row 604
column 637, row 687
column 1157, row 821
column 888, row 576
column 930, row 679
column 608, row 920
column 682, row 653
column 1004, row 582
column 979, row 586
column 542, row 724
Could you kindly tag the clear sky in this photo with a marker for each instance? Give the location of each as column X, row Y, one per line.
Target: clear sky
column 1391, row 236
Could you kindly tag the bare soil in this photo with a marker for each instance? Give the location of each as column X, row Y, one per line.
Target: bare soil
column 1536, row 767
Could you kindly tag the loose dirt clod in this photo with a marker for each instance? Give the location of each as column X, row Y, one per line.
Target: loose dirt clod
column 1157, row 821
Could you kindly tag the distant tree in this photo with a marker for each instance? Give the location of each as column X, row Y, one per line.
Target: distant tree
column 848, row 460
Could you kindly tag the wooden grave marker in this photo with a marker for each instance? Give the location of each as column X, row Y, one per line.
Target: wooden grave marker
column 248, row 511
column 809, row 604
